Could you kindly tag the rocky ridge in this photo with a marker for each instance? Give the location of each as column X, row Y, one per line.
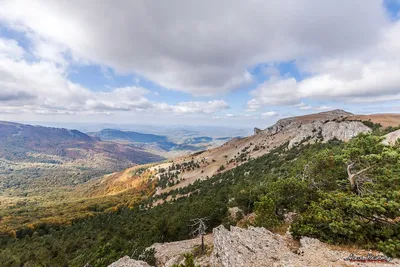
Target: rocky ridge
column 322, row 126
column 255, row 247
column 391, row 138
column 319, row 127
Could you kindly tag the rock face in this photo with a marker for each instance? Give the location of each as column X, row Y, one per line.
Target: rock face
column 168, row 254
column 128, row 262
column 255, row 247
column 322, row 126
column 257, row 130
column 391, row 138
column 259, row 247
column 344, row 130
column 294, row 122
column 251, row 247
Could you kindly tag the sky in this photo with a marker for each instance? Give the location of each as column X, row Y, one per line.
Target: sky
column 185, row 62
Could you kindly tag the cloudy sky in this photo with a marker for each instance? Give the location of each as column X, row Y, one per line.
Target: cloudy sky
column 238, row 63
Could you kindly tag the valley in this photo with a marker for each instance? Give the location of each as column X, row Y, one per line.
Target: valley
column 49, row 175
column 103, row 218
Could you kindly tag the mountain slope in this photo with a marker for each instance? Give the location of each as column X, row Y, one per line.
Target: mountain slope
column 385, row 120
column 44, row 156
column 135, row 137
column 281, row 175
column 319, row 127
column 159, row 144
column 306, row 180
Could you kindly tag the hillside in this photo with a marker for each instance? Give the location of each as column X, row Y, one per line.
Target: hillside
column 385, row 120
column 42, row 157
column 306, row 187
column 320, row 127
column 134, row 137
column 161, row 144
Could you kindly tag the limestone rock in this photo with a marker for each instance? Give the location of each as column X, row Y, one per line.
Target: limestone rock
column 257, row 130
column 391, row 138
column 324, row 131
column 168, row 254
column 128, row 262
column 235, row 213
column 322, row 126
column 255, row 247
column 258, row 247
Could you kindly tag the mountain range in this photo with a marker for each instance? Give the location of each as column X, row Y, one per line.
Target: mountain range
column 61, row 184
column 320, row 127
column 42, row 157
column 159, row 143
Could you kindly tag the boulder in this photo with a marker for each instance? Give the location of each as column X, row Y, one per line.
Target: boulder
column 128, row 262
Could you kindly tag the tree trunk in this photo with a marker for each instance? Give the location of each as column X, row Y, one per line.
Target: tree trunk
column 352, row 177
column 202, row 244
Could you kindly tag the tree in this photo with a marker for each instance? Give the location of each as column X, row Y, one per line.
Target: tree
column 199, row 229
column 361, row 154
column 354, row 183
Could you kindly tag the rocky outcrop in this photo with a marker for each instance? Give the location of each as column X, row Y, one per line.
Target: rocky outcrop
column 257, row 130
column 258, row 247
column 168, row 254
column 255, row 247
column 391, row 138
column 291, row 123
column 128, row 262
column 251, row 247
column 324, row 131
column 322, row 126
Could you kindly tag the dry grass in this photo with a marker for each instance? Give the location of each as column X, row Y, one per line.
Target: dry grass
column 385, row 120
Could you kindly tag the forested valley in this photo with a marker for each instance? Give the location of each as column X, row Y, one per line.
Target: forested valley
column 343, row 193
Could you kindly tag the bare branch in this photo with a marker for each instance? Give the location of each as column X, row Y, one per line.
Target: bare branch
column 200, row 226
column 363, row 170
column 200, row 229
column 352, row 177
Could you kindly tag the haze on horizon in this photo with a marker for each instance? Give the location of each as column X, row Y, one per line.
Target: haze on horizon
column 225, row 63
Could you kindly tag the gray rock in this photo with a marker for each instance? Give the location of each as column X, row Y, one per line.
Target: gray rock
column 318, row 130
column 391, row 138
column 255, row 247
column 128, row 262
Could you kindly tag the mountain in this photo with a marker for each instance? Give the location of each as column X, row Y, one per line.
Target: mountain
column 326, row 175
column 319, row 127
column 292, row 131
column 135, row 137
column 112, row 134
column 41, row 157
column 161, row 144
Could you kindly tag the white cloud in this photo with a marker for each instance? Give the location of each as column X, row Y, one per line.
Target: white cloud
column 199, row 107
column 269, row 114
column 324, row 108
column 275, row 92
column 198, row 47
column 230, row 115
column 10, row 49
column 371, row 75
column 41, row 87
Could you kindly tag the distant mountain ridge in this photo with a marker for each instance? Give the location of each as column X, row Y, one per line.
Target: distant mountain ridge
column 318, row 127
column 129, row 135
column 36, row 154
column 155, row 142
column 134, row 137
